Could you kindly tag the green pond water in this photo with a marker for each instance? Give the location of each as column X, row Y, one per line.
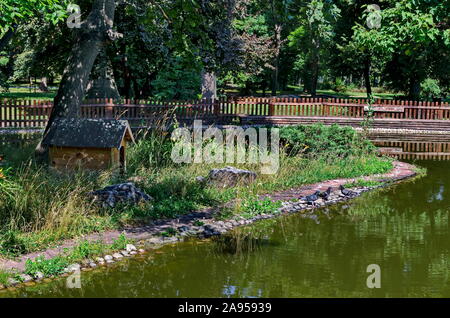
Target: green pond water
column 405, row 229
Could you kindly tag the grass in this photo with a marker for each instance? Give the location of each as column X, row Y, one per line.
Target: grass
column 56, row 265
column 22, row 92
column 4, row 277
column 84, row 250
column 39, row 208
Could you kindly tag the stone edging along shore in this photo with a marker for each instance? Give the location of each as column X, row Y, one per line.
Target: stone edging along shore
column 149, row 236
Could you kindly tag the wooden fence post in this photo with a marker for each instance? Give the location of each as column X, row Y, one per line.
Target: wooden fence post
column 109, row 108
column 271, row 107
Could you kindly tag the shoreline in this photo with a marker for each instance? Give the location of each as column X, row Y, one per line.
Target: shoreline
column 201, row 224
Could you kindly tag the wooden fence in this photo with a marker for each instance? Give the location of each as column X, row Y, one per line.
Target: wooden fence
column 415, row 150
column 34, row 114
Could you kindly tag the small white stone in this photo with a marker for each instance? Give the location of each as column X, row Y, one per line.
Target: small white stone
column 117, row 256
column 73, row 268
column 108, row 258
column 92, row 265
column 26, row 278
column 130, row 247
column 100, row 260
column 125, row 253
column 39, row 275
column 133, row 253
column 12, row 281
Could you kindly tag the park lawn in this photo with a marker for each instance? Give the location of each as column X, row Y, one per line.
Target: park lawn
column 22, row 92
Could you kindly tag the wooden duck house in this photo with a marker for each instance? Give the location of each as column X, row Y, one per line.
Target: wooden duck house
column 88, row 143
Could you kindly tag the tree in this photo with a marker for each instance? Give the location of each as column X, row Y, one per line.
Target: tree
column 313, row 36
column 17, row 12
column 93, row 33
column 413, row 27
column 366, row 47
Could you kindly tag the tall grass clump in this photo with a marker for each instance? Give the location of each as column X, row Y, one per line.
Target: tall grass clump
column 38, row 207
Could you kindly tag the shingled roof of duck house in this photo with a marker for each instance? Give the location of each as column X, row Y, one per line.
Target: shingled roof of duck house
column 89, row 133
column 92, row 143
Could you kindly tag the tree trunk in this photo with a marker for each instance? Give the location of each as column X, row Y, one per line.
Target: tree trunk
column 276, row 70
column 367, row 67
column 43, row 86
column 414, row 88
column 95, row 31
column 314, row 74
column 209, row 85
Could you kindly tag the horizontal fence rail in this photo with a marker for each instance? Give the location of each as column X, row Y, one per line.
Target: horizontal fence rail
column 34, row 114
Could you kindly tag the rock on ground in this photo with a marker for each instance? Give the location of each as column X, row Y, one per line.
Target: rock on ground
column 124, row 192
column 230, row 177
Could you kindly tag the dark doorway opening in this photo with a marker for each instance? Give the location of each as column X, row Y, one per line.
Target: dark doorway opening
column 122, row 159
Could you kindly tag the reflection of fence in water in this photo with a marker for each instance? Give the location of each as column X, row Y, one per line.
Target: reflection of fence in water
column 415, row 150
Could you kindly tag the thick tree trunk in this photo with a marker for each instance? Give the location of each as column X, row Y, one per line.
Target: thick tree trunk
column 367, row 67
column 95, row 31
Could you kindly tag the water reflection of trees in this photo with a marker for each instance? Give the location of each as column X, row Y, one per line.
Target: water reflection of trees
column 398, row 228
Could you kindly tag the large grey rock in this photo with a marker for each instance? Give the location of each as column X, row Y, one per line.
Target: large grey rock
column 124, row 192
column 230, row 177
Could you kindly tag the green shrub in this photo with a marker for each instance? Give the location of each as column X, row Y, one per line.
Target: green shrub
column 4, row 277
column 120, row 243
column 430, row 89
column 169, row 232
column 86, row 249
column 12, row 244
column 254, row 206
column 338, row 86
column 49, row 267
column 320, row 140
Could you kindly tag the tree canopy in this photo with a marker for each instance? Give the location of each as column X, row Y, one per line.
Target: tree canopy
column 252, row 46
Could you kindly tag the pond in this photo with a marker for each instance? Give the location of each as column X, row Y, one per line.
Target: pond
column 405, row 229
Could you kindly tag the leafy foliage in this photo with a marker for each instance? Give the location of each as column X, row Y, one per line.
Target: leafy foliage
column 49, row 267
column 318, row 140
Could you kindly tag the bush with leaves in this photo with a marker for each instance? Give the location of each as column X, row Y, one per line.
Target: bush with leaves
column 430, row 89
column 319, row 140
